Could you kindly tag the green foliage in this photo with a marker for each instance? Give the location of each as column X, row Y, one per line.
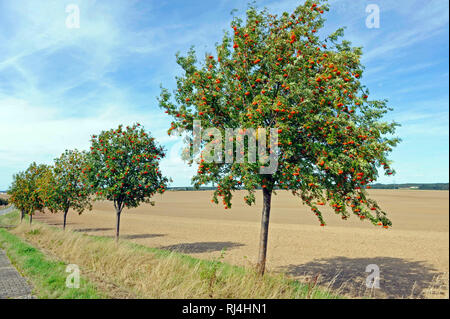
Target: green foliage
column 64, row 185
column 3, row 202
column 275, row 72
column 18, row 191
column 24, row 191
column 123, row 166
column 34, row 232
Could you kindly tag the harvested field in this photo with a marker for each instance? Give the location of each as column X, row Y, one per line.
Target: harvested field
column 413, row 256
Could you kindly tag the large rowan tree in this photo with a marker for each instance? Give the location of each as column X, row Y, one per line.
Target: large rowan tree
column 276, row 72
column 123, row 167
column 63, row 187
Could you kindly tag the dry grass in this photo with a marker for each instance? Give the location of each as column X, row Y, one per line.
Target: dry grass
column 439, row 288
column 149, row 273
column 409, row 255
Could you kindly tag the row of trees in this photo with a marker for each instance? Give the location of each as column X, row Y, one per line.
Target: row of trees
column 270, row 72
column 122, row 166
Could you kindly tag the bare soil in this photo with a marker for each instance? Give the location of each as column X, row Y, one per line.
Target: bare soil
column 412, row 256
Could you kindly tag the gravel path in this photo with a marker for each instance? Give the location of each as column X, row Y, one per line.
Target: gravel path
column 12, row 284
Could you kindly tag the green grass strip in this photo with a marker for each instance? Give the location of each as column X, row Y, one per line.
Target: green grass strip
column 47, row 276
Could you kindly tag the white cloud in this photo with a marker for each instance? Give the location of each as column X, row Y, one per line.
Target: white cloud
column 58, row 85
column 425, row 20
column 45, row 63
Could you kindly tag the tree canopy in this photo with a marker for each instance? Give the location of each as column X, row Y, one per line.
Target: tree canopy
column 276, row 72
column 123, row 167
column 18, row 192
column 64, row 185
column 25, row 190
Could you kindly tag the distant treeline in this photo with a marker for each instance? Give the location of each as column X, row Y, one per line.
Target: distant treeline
column 3, row 201
column 190, row 188
column 435, row 186
column 432, row 186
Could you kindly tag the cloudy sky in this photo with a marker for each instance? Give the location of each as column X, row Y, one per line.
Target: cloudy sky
column 59, row 85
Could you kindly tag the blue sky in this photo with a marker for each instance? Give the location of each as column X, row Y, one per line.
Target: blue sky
column 59, row 85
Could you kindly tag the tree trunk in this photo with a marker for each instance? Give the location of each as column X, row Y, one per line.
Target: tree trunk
column 22, row 215
column 31, row 218
column 65, row 217
column 267, row 197
column 118, row 211
column 118, row 205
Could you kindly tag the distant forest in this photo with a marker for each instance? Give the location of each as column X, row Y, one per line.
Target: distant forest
column 432, row 186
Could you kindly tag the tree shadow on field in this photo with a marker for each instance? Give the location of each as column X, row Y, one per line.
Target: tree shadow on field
column 142, row 236
column 136, row 236
column 399, row 278
column 57, row 224
column 50, row 222
column 88, row 230
column 201, row 247
column 60, row 225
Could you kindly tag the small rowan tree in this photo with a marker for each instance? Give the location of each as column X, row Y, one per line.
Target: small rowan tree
column 63, row 187
column 33, row 174
column 123, row 167
column 18, row 193
column 25, row 192
column 275, row 72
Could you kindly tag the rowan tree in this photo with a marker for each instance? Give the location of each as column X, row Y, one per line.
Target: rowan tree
column 25, row 192
column 276, row 72
column 18, row 193
column 123, row 167
column 63, row 187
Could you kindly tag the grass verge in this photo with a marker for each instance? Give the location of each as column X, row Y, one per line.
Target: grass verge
column 12, row 218
column 47, row 276
column 144, row 272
